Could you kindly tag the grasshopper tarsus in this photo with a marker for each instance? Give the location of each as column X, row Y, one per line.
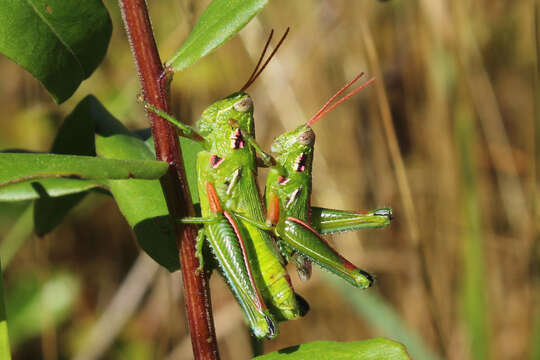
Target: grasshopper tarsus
column 187, row 131
column 387, row 212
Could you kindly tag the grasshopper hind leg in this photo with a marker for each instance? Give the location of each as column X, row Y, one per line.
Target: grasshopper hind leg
column 226, row 240
column 299, row 236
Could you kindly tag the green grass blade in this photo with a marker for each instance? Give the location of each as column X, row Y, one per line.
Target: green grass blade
column 16, row 237
column 474, row 285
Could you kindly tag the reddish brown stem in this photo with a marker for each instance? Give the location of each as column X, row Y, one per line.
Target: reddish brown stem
column 156, row 92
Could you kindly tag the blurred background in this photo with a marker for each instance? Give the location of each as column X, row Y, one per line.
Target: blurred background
column 446, row 136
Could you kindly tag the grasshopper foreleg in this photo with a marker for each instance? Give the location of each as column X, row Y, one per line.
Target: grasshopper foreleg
column 187, row 130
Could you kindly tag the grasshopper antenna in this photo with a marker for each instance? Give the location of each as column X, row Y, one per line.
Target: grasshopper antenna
column 257, row 71
column 326, row 108
column 250, row 80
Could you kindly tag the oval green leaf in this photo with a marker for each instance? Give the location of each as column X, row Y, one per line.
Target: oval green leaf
column 372, row 349
column 142, row 201
column 60, row 42
column 219, row 22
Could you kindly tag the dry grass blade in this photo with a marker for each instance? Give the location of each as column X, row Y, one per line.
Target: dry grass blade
column 401, row 177
column 121, row 308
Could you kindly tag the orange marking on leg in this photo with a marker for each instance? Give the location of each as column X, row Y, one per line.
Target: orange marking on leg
column 273, row 210
column 213, row 199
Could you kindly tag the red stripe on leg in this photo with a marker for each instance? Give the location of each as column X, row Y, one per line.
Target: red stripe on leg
column 348, row 265
column 245, row 256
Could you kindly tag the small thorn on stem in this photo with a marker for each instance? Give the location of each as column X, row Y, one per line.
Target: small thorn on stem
column 165, row 77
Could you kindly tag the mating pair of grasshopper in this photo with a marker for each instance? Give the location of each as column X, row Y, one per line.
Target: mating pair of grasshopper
column 251, row 249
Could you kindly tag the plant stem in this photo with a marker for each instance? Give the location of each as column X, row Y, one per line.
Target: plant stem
column 156, row 92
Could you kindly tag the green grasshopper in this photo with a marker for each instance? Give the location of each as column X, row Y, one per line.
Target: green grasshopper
column 288, row 202
column 231, row 212
column 226, row 170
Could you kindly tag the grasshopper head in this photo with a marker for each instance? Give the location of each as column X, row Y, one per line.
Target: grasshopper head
column 300, row 139
column 238, row 107
column 295, row 149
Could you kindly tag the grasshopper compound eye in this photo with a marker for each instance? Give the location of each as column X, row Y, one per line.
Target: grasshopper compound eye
column 307, row 137
column 243, row 105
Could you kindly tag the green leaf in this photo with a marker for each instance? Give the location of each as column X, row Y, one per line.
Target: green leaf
column 31, row 176
column 33, row 304
column 142, row 201
column 60, row 42
column 218, row 23
column 18, row 168
column 143, row 204
column 373, row 349
column 75, row 136
column 31, row 190
column 190, row 149
column 49, row 212
column 19, row 233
